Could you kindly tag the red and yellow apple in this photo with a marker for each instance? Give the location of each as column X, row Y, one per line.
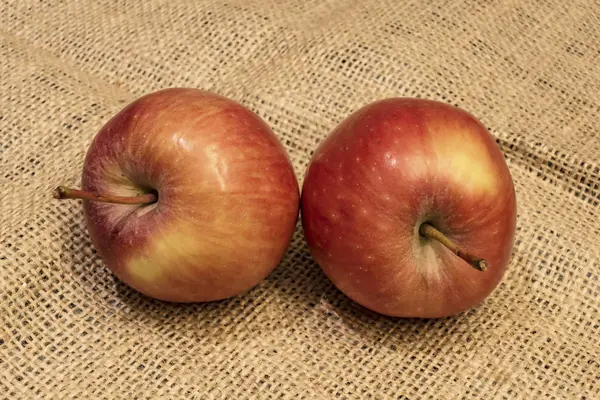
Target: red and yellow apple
column 409, row 208
column 188, row 196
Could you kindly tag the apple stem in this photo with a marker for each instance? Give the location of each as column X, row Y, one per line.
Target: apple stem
column 431, row 232
column 62, row 192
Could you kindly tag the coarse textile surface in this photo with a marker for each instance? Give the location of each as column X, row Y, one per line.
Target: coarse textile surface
column 527, row 69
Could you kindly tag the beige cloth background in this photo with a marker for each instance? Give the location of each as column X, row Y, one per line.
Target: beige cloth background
column 527, row 69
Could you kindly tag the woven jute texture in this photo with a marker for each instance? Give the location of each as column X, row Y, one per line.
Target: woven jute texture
column 528, row 69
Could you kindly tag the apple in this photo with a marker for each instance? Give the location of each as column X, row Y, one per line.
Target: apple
column 188, row 196
column 409, row 208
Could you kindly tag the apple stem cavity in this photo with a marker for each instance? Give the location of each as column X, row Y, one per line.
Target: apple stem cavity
column 63, row 193
column 429, row 231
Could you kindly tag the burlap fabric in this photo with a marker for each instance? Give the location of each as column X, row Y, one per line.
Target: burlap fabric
column 528, row 70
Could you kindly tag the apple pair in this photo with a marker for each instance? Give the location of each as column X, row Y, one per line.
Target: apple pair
column 408, row 205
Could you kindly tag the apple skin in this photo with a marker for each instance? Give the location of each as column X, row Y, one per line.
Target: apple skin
column 386, row 169
column 228, row 197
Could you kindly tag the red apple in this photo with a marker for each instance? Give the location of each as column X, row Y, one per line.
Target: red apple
column 409, row 208
column 188, row 196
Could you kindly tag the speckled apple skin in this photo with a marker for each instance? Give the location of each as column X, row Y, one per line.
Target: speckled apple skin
column 380, row 174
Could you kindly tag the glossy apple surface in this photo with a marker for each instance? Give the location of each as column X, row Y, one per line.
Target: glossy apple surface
column 387, row 169
column 228, row 197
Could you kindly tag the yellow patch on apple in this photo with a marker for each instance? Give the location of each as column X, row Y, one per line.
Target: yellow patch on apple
column 467, row 164
column 153, row 263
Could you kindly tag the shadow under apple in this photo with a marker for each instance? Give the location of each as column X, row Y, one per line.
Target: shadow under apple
column 94, row 283
column 296, row 293
column 302, row 292
column 306, row 295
